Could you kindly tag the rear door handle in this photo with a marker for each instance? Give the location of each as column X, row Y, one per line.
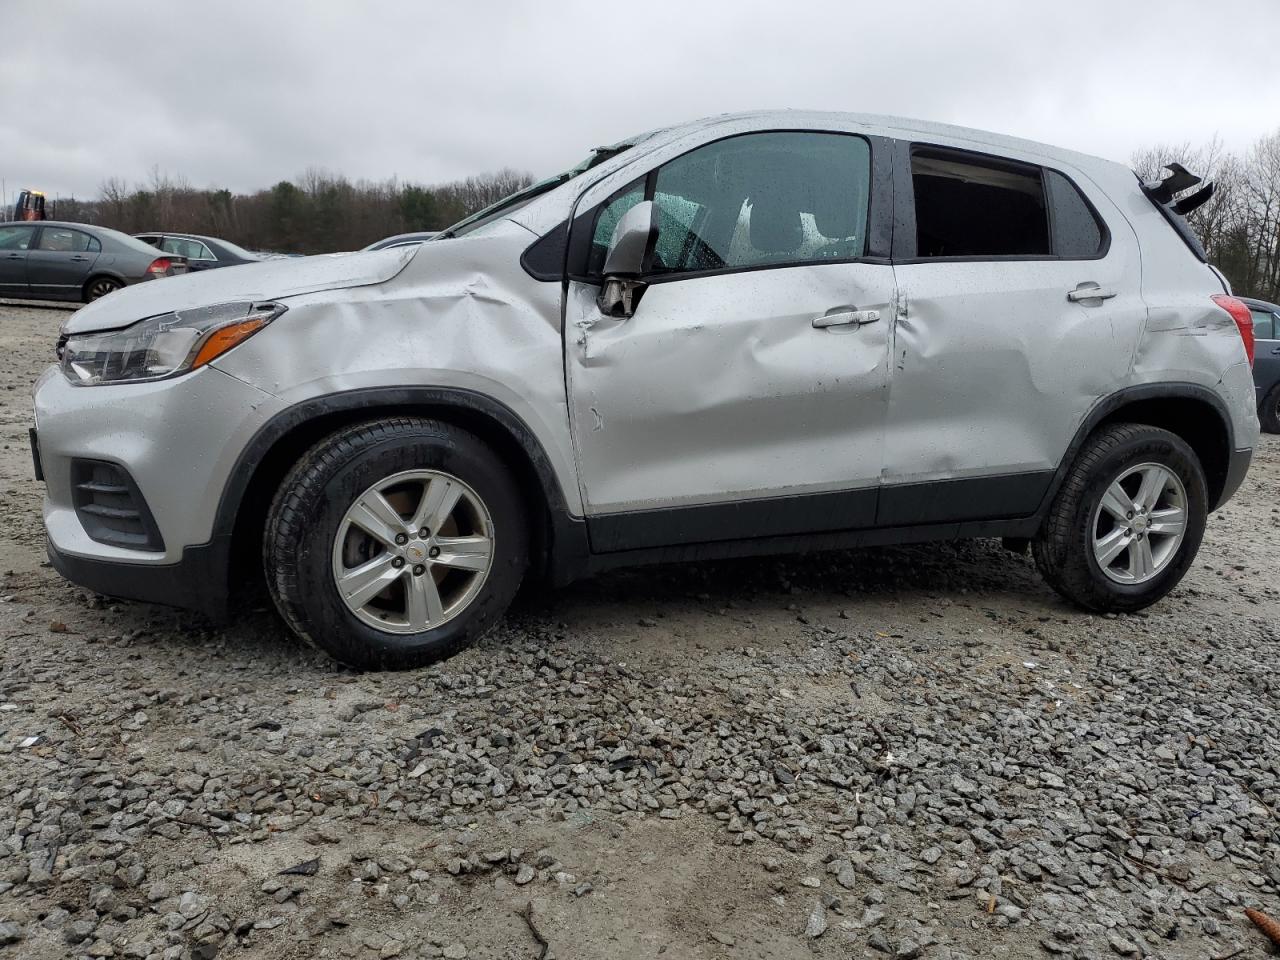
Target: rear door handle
column 859, row 317
column 79, row 259
column 1090, row 291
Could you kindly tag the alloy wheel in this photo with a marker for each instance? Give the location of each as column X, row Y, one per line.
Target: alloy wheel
column 413, row 551
column 101, row 287
column 1140, row 523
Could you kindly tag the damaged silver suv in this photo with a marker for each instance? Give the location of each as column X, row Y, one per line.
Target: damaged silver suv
column 748, row 334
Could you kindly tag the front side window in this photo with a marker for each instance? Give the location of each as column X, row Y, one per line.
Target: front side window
column 16, row 238
column 1264, row 325
column 967, row 207
column 757, row 200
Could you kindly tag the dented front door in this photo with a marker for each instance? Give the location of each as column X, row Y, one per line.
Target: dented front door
column 766, row 389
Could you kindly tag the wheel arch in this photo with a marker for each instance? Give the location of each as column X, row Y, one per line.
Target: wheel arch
column 1191, row 411
column 276, row 447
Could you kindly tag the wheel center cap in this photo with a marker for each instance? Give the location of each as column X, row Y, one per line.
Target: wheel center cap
column 1140, row 524
column 416, row 551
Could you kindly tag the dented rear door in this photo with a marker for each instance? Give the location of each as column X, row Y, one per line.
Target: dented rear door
column 998, row 358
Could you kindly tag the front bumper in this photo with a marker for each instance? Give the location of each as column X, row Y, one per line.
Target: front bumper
column 177, row 442
column 196, row 582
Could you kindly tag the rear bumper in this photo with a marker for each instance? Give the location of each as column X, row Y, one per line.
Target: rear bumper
column 196, row 582
column 1237, row 467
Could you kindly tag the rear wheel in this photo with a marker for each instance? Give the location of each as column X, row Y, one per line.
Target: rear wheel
column 1269, row 413
column 1127, row 522
column 395, row 544
column 99, row 287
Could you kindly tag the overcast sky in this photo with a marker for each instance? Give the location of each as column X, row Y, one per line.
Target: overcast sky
column 243, row 94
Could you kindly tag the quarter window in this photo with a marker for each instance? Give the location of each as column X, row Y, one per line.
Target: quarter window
column 970, row 208
column 1076, row 231
column 756, row 200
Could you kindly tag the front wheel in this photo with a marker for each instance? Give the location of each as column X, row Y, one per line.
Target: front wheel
column 1127, row 522
column 397, row 543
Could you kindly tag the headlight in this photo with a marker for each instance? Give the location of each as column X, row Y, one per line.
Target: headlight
column 163, row 346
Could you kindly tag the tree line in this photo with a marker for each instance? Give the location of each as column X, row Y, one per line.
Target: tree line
column 319, row 213
column 1240, row 224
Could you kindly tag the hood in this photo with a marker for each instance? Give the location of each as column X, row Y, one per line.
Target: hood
column 268, row 280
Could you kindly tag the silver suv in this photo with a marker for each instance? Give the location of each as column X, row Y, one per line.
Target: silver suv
column 748, row 334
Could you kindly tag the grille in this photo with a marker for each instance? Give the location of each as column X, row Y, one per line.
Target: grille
column 111, row 508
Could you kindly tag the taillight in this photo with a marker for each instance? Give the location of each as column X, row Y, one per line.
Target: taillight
column 159, row 267
column 1243, row 318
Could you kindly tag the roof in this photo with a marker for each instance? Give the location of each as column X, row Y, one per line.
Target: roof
column 887, row 124
column 53, row 223
column 175, row 233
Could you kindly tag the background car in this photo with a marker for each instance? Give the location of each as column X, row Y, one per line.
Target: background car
column 201, row 253
column 51, row 260
column 1266, row 366
column 402, row 240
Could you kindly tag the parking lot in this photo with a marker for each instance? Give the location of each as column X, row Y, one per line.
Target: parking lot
column 914, row 752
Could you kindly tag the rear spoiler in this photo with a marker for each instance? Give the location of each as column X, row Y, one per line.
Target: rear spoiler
column 1179, row 179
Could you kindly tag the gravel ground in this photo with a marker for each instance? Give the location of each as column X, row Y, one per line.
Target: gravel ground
column 908, row 752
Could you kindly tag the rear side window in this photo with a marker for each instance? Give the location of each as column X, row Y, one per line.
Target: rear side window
column 1264, row 325
column 1077, row 234
column 972, row 208
column 59, row 240
column 182, row 247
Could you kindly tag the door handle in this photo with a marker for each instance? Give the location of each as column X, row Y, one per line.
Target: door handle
column 79, row 259
column 858, row 317
column 14, row 256
column 1090, row 291
column 1275, row 351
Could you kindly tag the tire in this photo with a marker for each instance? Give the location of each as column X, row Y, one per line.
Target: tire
column 1079, row 519
column 1269, row 412
column 98, row 287
column 403, row 458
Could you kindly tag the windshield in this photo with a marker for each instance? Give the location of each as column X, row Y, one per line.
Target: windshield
column 515, row 201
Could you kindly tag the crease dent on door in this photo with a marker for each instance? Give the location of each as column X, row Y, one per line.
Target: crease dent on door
column 763, row 362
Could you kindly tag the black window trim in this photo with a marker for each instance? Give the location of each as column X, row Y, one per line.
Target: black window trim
column 879, row 213
column 904, row 234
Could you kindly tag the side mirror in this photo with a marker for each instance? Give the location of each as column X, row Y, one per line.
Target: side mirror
column 632, row 240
